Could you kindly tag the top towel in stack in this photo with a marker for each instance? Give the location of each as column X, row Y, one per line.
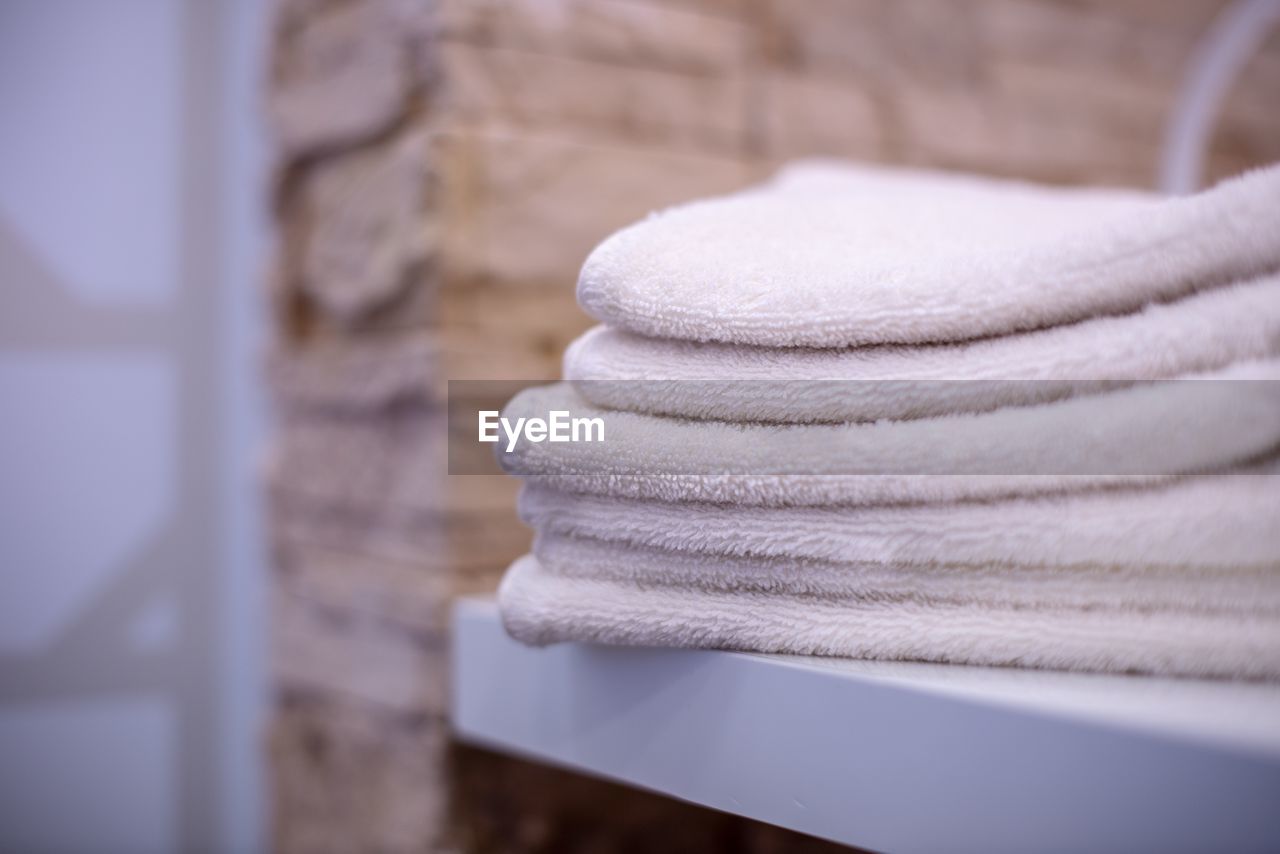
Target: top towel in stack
column 889, row 414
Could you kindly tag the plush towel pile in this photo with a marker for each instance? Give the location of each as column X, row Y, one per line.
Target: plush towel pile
column 900, row 415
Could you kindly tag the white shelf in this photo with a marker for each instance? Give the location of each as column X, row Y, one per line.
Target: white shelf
column 892, row 757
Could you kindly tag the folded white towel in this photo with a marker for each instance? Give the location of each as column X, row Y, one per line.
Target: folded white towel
column 841, row 256
column 539, row 607
column 1152, row 430
column 616, row 369
column 1213, row 589
column 1200, row 520
column 782, row 487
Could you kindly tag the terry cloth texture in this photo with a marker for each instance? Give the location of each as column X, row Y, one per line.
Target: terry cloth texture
column 616, row 369
column 896, row 415
column 840, row 256
column 1222, row 418
column 539, row 607
column 1202, row 520
column 1215, row 588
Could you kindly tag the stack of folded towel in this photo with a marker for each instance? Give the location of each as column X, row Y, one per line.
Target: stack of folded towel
column 896, row 415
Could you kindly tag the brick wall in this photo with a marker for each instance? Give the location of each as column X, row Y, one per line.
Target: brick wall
column 443, row 169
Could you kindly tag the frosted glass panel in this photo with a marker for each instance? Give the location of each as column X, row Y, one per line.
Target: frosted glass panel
column 86, row 447
column 95, row 777
column 89, row 93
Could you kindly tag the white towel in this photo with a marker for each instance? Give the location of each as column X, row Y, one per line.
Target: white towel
column 539, row 607
column 1145, row 430
column 616, row 369
column 1060, row 520
column 1201, row 520
column 1212, row 589
column 841, row 256
column 1180, row 579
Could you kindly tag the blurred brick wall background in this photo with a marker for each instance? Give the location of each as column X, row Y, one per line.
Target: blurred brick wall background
column 443, row 169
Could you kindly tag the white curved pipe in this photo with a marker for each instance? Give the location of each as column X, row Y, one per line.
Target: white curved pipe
column 1237, row 33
